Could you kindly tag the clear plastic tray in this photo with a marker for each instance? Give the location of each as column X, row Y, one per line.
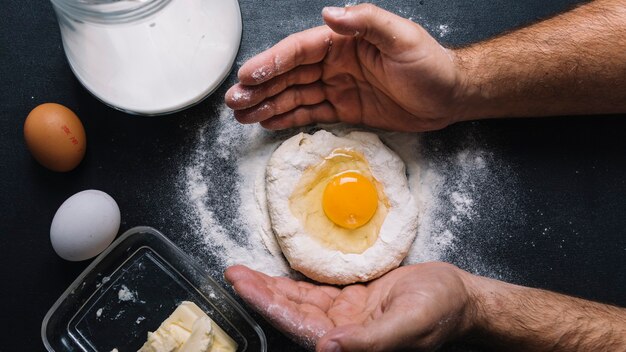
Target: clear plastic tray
column 130, row 289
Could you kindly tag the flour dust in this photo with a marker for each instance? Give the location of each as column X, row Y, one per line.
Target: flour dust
column 223, row 191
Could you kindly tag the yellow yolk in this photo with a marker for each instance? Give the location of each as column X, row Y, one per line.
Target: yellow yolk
column 350, row 200
column 329, row 190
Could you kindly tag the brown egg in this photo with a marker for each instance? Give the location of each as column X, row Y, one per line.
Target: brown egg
column 55, row 137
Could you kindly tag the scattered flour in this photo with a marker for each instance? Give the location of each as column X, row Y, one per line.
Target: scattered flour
column 443, row 30
column 239, row 95
column 224, row 181
column 262, row 72
column 125, row 294
column 103, row 281
column 437, row 30
column 245, row 148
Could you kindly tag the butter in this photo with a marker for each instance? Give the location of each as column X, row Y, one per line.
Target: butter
column 188, row 329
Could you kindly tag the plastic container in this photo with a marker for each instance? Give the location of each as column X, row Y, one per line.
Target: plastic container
column 130, row 289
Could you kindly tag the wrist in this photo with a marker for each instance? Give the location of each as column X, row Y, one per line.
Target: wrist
column 472, row 99
column 512, row 317
column 485, row 306
column 474, row 311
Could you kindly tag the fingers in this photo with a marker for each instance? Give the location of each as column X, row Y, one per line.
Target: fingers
column 259, row 289
column 306, row 293
column 307, row 47
column 291, row 306
column 385, row 30
column 388, row 32
column 390, row 331
column 286, row 101
column 292, row 99
column 252, row 286
column 241, row 96
column 297, row 106
column 301, row 116
column 378, row 335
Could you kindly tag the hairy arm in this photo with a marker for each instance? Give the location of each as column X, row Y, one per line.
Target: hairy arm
column 421, row 307
column 574, row 63
column 527, row 319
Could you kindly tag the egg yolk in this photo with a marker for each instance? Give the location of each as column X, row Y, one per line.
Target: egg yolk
column 350, row 200
column 342, row 188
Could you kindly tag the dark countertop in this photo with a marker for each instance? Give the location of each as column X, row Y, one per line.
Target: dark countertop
column 566, row 231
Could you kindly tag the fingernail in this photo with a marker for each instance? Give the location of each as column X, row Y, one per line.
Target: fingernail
column 334, row 11
column 332, row 346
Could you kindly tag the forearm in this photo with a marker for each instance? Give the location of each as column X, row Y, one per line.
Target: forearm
column 526, row 319
column 574, row 63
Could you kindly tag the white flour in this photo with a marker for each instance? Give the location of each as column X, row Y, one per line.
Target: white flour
column 247, row 148
column 225, row 178
column 158, row 64
column 437, row 30
column 283, row 317
column 125, row 294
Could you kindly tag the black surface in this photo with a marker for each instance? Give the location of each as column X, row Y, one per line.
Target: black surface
column 567, row 233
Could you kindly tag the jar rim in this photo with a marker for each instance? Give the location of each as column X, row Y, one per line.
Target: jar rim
column 109, row 11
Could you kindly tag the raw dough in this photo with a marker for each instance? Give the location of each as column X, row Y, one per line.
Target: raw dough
column 307, row 254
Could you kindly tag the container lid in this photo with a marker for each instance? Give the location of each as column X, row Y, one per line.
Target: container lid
column 130, row 289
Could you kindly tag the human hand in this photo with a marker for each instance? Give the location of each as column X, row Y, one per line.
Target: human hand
column 418, row 307
column 367, row 66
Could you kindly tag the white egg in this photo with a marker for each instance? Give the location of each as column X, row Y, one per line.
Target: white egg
column 85, row 225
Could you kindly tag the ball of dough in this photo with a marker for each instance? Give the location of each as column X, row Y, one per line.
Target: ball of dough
column 319, row 249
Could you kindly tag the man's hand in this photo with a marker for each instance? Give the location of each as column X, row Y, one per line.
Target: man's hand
column 416, row 307
column 423, row 306
column 367, row 66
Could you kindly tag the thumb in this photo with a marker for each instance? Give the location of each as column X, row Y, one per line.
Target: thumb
column 386, row 333
column 390, row 33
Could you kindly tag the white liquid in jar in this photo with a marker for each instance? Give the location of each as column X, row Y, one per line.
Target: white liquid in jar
column 159, row 64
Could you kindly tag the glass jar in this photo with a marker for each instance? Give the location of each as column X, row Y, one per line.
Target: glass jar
column 150, row 57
